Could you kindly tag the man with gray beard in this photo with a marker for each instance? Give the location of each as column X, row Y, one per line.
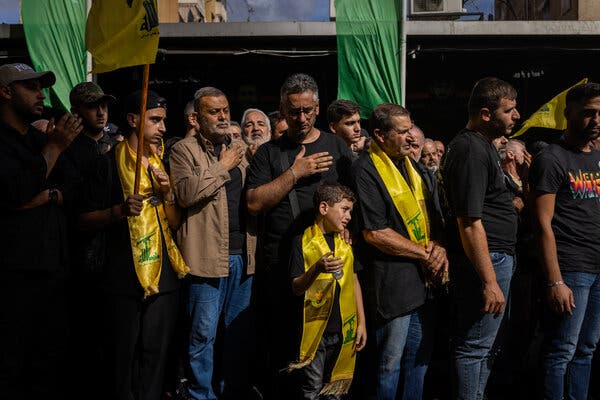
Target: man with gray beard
column 256, row 128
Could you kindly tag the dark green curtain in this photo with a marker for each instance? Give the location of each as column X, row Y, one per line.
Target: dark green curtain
column 368, row 45
column 55, row 32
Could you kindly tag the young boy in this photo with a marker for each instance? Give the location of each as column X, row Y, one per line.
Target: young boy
column 322, row 269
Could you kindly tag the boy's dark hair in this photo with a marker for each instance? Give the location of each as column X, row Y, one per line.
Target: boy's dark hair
column 488, row 93
column 332, row 193
column 275, row 117
column 381, row 117
column 583, row 92
column 339, row 109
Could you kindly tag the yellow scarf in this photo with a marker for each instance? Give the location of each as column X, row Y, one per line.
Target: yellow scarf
column 318, row 301
column 410, row 203
column 145, row 229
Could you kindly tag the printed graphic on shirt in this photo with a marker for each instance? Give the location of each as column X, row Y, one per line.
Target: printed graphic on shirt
column 319, row 299
column 584, row 184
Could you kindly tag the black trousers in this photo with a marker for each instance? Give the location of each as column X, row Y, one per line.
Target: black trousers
column 33, row 335
column 139, row 334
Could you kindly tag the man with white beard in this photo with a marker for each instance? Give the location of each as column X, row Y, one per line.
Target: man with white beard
column 256, row 128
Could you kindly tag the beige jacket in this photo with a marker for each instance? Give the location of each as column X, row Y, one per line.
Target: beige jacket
column 199, row 181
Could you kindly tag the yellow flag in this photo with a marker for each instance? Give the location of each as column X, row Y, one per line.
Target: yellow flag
column 550, row 115
column 122, row 33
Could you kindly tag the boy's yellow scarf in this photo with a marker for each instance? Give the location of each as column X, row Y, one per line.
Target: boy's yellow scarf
column 410, row 203
column 145, row 229
column 318, row 301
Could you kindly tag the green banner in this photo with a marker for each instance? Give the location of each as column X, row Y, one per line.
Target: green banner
column 55, row 32
column 368, row 45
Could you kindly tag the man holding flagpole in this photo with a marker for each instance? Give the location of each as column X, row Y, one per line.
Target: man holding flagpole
column 143, row 264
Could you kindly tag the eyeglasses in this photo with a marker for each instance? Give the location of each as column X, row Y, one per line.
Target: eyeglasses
column 307, row 111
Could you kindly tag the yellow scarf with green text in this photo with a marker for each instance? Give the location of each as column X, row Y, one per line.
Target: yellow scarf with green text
column 410, row 203
column 145, row 229
column 318, row 302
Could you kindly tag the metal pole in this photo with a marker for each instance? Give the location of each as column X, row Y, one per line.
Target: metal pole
column 404, row 5
column 89, row 75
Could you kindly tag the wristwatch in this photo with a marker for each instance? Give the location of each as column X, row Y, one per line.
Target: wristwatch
column 53, row 196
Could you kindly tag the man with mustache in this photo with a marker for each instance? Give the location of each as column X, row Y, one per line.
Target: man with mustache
column 482, row 232
column 256, row 128
column 564, row 180
column 217, row 241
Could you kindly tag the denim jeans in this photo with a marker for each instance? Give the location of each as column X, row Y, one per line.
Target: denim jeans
column 320, row 368
column 221, row 304
column 404, row 343
column 570, row 340
column 474, row 333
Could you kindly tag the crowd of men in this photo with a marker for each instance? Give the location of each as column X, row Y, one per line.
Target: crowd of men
column 179, row 284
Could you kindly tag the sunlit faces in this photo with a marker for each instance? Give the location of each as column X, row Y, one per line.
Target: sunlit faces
column 213, row 117
column 94, row 116
column 347, row 128
column 417, row 143
column 154, row 126
column 279, row 128
column 503, row 119
column 396, row 143
column 500, row 145
column 429, row 156
column 440, row 148
column 26, row 97
column 255, row 129
column 336, row 216
column 583, row 118
column 300, row 112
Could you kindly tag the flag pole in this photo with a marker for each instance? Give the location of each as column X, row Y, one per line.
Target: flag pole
column 140, row 130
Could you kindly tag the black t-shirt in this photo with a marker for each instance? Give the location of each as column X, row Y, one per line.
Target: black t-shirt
column 334, row 323
column 392, row 285
column 34, row 239
column 573, row 176
column 119, row 272
column 472, row 184
column 235, row 209
column 266, row 165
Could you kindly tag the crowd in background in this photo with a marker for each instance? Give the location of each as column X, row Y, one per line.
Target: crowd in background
column 272, row 259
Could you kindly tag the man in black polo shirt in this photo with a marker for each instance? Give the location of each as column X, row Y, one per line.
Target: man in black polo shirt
column 482, row 232
column 400, row 219
column 282, row 178
column 564, row 178
column 33, row 240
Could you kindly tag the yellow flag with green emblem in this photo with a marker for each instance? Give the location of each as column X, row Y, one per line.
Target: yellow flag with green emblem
column 550, row 115
column 122, row 33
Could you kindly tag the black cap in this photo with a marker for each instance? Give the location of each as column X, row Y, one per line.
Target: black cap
column 134, row 101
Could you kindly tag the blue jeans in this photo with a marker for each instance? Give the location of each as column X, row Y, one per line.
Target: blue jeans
column 474, row 333
column 404, row 343
column 570, row 340
column 221, row 300
column 321, row 366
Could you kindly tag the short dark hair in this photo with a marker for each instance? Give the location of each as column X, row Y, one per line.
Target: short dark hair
column 332, row 193
column 207, row 91
column 339, row 109
column 583, row 92
column 381, row 116
column 298, row 83
column 275, row 117
column 488, row 93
